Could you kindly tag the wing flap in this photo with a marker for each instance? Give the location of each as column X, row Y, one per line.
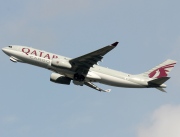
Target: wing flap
column 91, row 85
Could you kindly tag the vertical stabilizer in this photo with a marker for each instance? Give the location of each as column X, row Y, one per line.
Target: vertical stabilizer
column 162, row 70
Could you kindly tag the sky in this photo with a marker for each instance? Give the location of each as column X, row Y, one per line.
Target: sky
column 148, row 33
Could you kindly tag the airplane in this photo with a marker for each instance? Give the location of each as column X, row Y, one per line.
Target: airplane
column 84, row 70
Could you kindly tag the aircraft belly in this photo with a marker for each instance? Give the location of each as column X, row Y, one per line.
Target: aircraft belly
column 115, row 81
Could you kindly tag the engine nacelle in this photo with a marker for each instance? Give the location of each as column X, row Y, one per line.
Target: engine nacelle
column 61, row 79
column 61, row 63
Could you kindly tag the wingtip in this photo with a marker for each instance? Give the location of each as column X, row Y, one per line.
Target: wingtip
column 108, row 90
column 115, row 44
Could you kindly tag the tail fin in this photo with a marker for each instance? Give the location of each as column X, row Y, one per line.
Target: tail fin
column 162, row 70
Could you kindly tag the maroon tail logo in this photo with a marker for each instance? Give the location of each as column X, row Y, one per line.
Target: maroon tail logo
column 162, row 71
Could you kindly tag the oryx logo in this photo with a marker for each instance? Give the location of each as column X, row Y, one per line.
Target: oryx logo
column 162, row 71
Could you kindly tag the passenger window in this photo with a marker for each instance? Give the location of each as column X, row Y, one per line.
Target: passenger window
column 10, row 46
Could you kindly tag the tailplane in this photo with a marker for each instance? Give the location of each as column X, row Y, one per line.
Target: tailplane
column 158, row 83
column 161, row 89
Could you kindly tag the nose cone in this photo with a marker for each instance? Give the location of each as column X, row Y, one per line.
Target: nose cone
column 5, row 50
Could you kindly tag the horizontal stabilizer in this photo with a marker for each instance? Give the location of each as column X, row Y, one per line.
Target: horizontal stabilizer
column 161, row 89
column 158, row 81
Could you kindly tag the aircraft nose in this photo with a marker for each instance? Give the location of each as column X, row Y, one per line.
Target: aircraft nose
column 5, row 50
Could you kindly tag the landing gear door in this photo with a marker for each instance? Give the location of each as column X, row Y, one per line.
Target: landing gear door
column 81, row 83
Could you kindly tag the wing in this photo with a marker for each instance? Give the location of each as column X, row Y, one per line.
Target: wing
column 91, row 85
column 83, row 63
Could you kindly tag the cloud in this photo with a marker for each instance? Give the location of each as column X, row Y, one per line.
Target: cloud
column 165, row 122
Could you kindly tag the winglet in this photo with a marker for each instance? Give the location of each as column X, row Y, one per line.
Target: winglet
column 114, row 44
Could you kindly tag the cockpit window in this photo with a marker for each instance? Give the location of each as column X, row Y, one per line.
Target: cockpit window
column 10, row 46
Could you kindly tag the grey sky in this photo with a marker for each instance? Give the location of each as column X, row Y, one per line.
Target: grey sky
column 148, row 32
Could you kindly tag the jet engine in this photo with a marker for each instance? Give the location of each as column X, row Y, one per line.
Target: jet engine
column 60, row 79
column 61, row 63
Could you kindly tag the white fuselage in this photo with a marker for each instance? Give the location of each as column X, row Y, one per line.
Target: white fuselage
column 96, row 73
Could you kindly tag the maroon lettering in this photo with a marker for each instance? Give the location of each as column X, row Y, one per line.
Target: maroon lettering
column 47, row 56
column 41, row 53
column 34, row 52
column 25, row 50
column 54, row 56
